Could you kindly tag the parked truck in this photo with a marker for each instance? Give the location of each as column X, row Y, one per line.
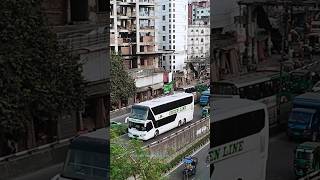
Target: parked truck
column 303, row 120
column 306, row 158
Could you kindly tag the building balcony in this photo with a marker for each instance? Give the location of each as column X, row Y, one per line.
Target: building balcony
column 126, row 51
column 85, row 41
column 146, row 28
column 147, row 2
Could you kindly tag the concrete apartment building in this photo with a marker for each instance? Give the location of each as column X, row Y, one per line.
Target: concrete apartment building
column 199, row 11
column 133, row 36
column 198, row 42
column 81, row 25
column 171, row 33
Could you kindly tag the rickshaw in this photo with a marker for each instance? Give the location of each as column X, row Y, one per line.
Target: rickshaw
column 190, row 166
column 205, row 111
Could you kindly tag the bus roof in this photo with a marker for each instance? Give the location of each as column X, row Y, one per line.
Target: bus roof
column 229, row 107
column 251, row 78
column 165, row 99
column 311, row 145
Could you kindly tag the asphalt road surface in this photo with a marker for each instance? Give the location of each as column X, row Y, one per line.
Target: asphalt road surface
column 203, row 169
column 280, row 161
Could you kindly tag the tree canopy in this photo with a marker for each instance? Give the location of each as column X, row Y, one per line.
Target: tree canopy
column 132, row 160
column 37, row 77
column 122, row 85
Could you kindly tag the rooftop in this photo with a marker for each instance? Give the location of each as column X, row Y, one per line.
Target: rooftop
column 165, row 99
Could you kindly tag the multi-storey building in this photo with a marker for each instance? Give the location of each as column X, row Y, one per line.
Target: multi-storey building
column 198, row 42
column 199, row 10
column 81, row 26
column 132, row 36
column 172, row 23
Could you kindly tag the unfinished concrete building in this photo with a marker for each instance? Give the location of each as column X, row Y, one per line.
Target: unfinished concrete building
column 132, row 35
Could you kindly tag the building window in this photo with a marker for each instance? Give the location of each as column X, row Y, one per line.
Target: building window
column 163, row 38
column 174, row 10
column 163, row 7
column 170, row 57
column 169, row 15
column 169, row 4
column 191, row 30
column 164, row 67
column 163, row 28
column 102, row 6
column 169, row 31
column 174, row 5
column 174, row 31
column 174, row 20
column 169, row 46
column 174, row 57
column 174, row 16
column 173, row 36
column 169, row 26
column 163, row 47
column 163, row 18
column 174, row 67
column 201, row 40
column 174, row 62
column 169, row 10
column 174, row 47
column 174, row 26
column 163, row 58
column 201, row 31
column 169, row 36
column 79, row 10
column 197, row 30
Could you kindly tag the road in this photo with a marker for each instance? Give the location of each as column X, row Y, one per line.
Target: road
column 202, row 168
column 280, row 162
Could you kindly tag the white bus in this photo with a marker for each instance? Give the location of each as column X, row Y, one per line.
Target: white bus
column 151, row 118
column 239, row 140
column 260, row 86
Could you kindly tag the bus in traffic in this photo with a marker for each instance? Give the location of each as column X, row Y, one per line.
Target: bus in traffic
column 239, row 133
column 261, row 86
column 151, row 118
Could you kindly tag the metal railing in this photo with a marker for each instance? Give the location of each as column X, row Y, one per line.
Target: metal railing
column 84, row 41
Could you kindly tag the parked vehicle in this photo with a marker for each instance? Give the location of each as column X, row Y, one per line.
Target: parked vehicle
column 205, row 98
column 306, row 158
column 87, row 157
column 303, row 121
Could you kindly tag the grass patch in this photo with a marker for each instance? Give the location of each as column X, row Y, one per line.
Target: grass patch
column 118, row 130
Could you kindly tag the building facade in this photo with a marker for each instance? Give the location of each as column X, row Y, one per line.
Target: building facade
column 199, row 10
column 81, row 26
column 198, row 42
column 172, row 23
column 133, row 36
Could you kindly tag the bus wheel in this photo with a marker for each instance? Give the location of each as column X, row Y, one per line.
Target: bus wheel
column 156, row 133
column 179, row 124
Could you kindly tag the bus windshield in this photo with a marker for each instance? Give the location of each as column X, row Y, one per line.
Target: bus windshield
column 224, row 89
column 83, row 164
column 139, row 112
column 138, row 126
column 300, row 117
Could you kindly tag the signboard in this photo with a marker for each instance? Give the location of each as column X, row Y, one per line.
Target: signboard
column 225, row 151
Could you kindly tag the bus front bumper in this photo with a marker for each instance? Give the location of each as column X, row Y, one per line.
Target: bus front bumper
column 134, row 136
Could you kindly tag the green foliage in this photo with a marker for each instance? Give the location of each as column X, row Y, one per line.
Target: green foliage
column 134, row 161
column 201, row 87
column 122, row 85
column 118, row 130
column 37, row 79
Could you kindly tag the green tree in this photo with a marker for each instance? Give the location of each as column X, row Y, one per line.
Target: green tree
column 134, row 161
column 38, row 79
column 122, row 85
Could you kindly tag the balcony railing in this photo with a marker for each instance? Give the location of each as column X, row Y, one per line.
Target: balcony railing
column 84, row 41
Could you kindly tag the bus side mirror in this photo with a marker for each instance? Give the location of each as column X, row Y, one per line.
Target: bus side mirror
column 126, row 120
